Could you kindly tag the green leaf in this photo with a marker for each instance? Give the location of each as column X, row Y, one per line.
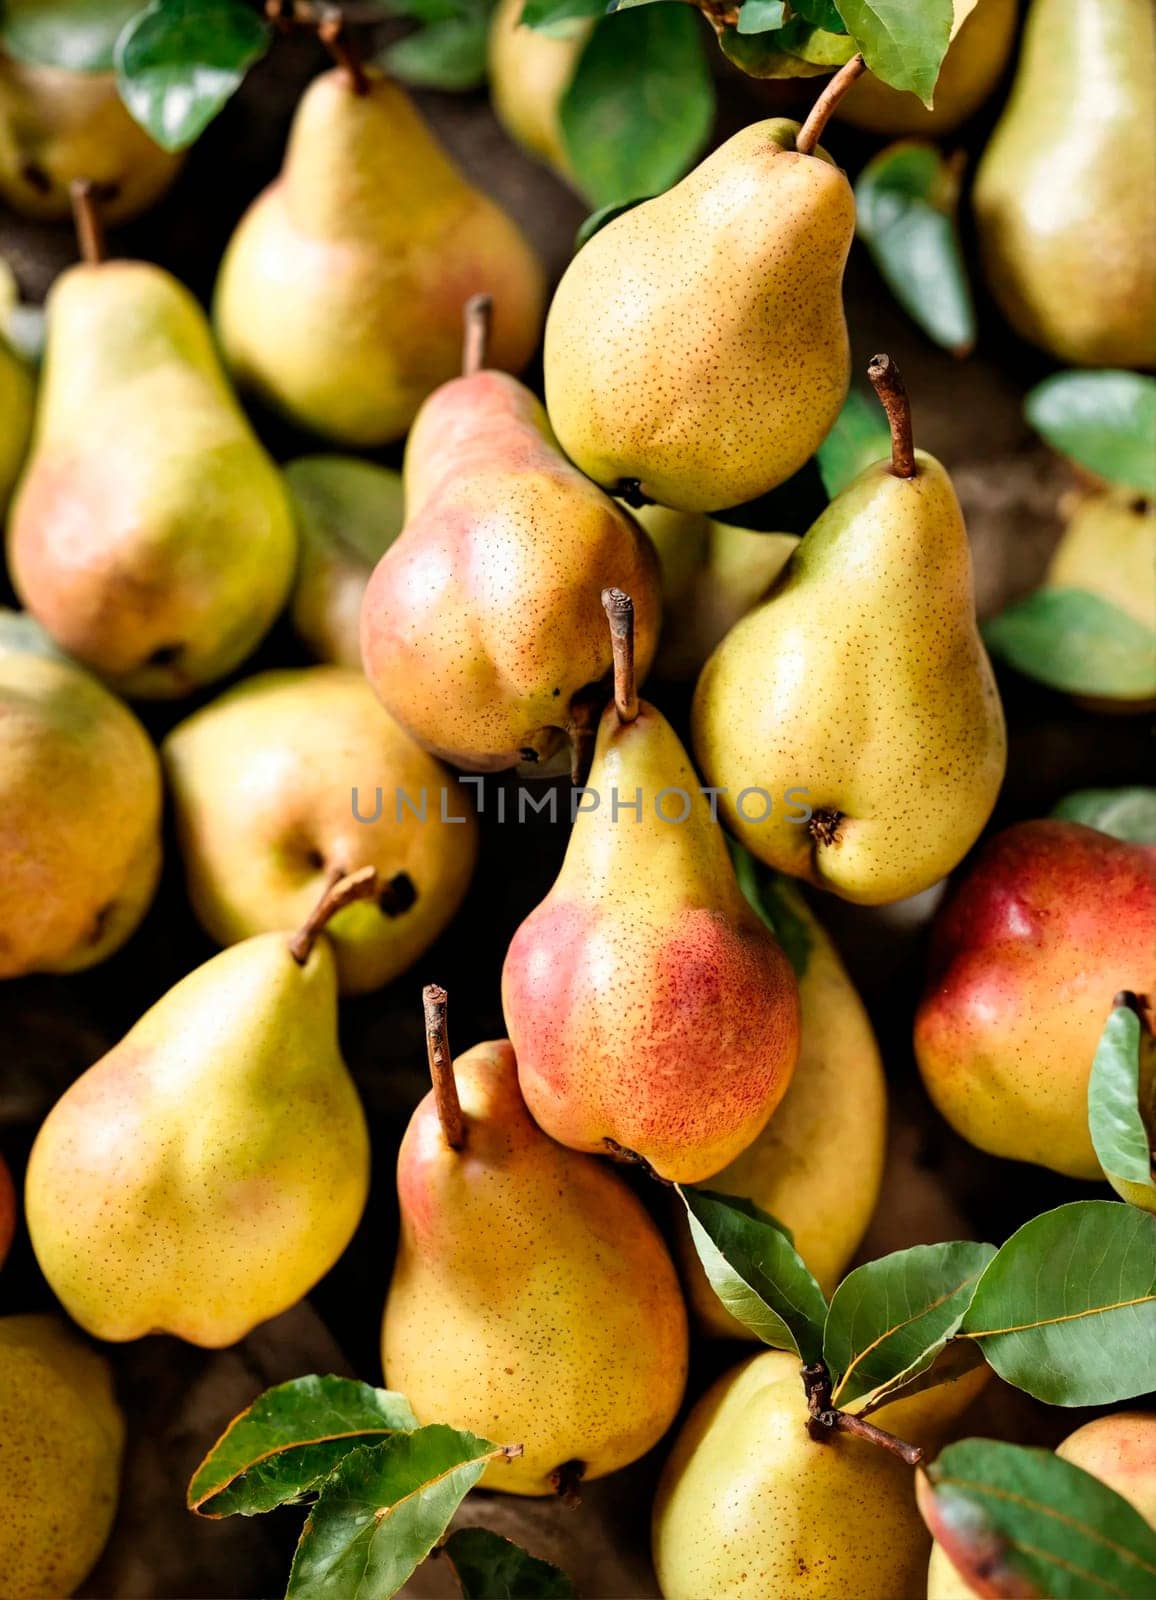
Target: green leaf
column 447, row 55
column 1067, row 1310
column 180, row 60
column 1016, row 1520
column 289, row 1440
column 905, row 205
column 859, row 438
column 1124, row 813
column 1120, row 1137
column 639, row 108
column 544, row 14
column 822, row 14
column 1075, row 640
column 78, row 35
column 492, row 1568
column 901, row 43
column 756, row 1272
column 1103, row 421
column 776, row 901
column 382, row 1510
column 765, row 55
column 889, row 1319
column 761, row 16
column 597, row 220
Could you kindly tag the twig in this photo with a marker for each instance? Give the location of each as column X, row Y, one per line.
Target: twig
column 619, row 609
column 339, row 893
column 888, row 385
column 820, row 113
column 825, row 1419
column 441, row 1066
column 477, row 315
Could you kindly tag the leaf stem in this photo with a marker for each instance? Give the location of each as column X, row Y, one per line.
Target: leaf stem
column 820, row 113
column 441, row 1066
column 339, row 893
column 477, row 316
column 89, row 223
column 888, row 385
column 619, row 609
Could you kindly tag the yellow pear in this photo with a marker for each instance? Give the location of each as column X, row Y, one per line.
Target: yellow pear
column 530, row 70
column 17, row 391
column 61, row 1441
column 265, row 782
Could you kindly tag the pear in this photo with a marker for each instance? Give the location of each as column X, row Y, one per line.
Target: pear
column 751, row 1507
column 339, row 294
column 16, row 402
column 151, row 534
column 861, row 687
column 61, row 1442
column 80, row 812
column 348, row 514
column 1065, row 196
column 293, row 778
column 533, row 1299
column 481, row 629
column 653, row 1015
column 7, row 1211
column 530, row 70
column 208, row 1170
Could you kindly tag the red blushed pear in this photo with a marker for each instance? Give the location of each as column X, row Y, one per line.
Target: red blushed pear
column 1027, row 955
column 652, row 1013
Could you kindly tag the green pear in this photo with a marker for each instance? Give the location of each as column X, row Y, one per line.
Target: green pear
column 151, row 534
column 17, row 391
column 61, row 1442
column 530, row 71
column 340, row 293
column 80, row 812
column 1065, row 196
column 292, row 778
column 208, row 1170
column 533, row 1299
column 860, row 689
column 348, row 513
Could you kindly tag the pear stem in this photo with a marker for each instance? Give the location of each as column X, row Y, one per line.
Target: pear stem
column 331, row 32
column 619, row 609
column 89, row 223
column 888, row 385
column 477, row 316
column 441, row 1066
column 339, row 892
column 820, row 113
column 825, row 1419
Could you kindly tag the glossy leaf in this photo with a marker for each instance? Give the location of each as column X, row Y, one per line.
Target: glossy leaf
column 597, row 220
column 901, row 43
column 544, row 14
column 859, row 438
column 1124, row 813
column 773, row 898
column 761, row 16
column 78, row 35
column 289, row 1440
column 890, row 1318
column 448, row 55
column 1103, row 421
column 1067, row 1309
column 639, row 108
column 492, row 1568
column 1020, row 1521
column 765, row 55
column 180, row 60
column 1075, row 640
column 820, row 14
column 1122, row 1141
column 755, row 1270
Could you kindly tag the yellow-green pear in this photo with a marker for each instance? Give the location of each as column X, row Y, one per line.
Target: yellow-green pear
column 208, row 1170
column 1065, row 196
column 80, row 812
column 860, row 689
column 348, row 513
column 530, row 70
column 61, row 1442
column 294, row 778
column 339, row 297
column 17, row 393
column 533, row 1299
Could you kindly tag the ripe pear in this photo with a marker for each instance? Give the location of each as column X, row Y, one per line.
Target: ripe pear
column 340, row 292
column 7, row 1211
column 17, row 392
column 208, row 1170
column 151, row 534
column 697, row 387
column 750, row 1507
column 533, row 1299
column 861, row 683
column 1027, row 954
column 652, row 1012
column 530, row 71
column 80, row 813
column 1065, row 196
column 481, row 630
column 263, row 782
column 348, row 514
column 61, row 1442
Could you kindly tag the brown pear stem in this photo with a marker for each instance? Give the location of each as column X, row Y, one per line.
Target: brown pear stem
column 339, row 892
column 477, row 316
column 820, row 113
column 89, row 223
column 332, row 33
column 441, row 1066
column 824, row 1419
column 888, row 385
column 619, row 609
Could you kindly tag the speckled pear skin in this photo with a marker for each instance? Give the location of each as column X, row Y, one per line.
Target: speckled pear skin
column 646, row 1002
column 1065, row 196
column 697, row 343
column 207, row 1171
column 862, row 679
column 1049, row 924
column 533, row 1300
column 61, row 1442
column 750, row 1507
column 484, row 619
column 340, row 295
